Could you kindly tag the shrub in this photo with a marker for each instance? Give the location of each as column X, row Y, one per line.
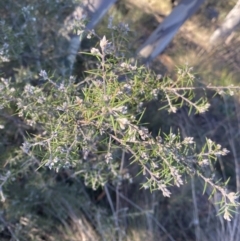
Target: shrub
column 93, row 127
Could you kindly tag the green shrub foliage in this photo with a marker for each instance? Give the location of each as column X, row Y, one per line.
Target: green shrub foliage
column 93, row 126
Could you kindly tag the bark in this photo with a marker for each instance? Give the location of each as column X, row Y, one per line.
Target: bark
column 162, row 36
column 156, row 43
column 94, row 10
column 229, row 25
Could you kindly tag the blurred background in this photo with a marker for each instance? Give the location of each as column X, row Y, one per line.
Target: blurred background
column 53, row 206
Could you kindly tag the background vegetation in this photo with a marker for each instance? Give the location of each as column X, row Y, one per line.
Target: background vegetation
column 96, row 155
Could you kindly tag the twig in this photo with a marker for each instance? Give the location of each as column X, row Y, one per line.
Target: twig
column 140, row 209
